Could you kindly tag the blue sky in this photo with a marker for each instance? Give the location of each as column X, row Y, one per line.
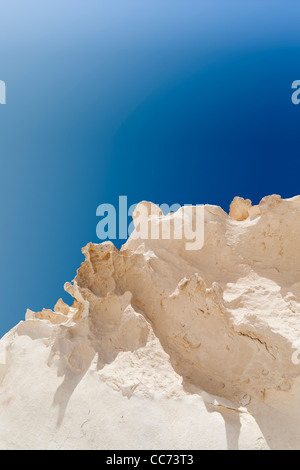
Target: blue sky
column 170, row 101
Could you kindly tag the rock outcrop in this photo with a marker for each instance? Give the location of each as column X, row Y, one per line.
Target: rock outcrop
column 165, row 347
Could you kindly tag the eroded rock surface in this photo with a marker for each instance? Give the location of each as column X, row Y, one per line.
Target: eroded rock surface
column 166, row 347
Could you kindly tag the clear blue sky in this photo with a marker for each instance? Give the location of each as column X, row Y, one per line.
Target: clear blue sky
column 170, row 101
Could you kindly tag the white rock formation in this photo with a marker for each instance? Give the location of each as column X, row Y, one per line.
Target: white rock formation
column 167, row 348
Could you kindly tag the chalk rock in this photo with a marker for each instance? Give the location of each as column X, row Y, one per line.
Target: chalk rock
column 164, row 346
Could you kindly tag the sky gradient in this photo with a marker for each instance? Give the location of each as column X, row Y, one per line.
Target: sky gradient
column 169, row 101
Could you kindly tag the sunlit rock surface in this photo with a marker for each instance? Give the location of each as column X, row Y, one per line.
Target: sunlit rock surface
column 164, row 347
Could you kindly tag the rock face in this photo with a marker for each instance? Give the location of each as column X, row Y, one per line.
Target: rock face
column 164, row 347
